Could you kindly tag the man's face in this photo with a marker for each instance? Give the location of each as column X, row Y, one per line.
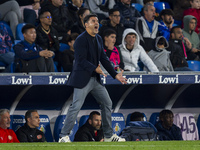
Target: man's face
column 115, row 17
column 192, row 24
column 130, row 39
column 178, row 34
column 77, row 3
column 195, row 4
column 30, row 35
column 111, row 39
column 167, row 121
column 46, row 19
column 128, row 2
column 34, row 120
column 96, row 122
column 5, row 121
column 57, row 3
column 150, row 13
column 167, row 19
column 92, row 26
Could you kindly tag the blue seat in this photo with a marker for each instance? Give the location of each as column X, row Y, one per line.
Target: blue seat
column 8, row 29
column 198, row 125
column 83, row 120
column 19, row 35
column 129, row 118
column 167, row 6
column 159, row 6
column 58, row 126
column 137, row 6
column 16, row 121
column 45, row 127
column 118, row 123
column 194, row 65
column 154, row 118
column 63, row 47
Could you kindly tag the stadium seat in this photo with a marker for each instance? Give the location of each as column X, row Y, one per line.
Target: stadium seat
column 118, row 123
column 137, row 6
column 8, row 29
column 45, row 127
column 19, row 35
column 188, row 126
column 178, row 22
column 83, row 120
column 16, row 121
column 154, row 118
column 129, row 117
column 58, row 126
column 63, row 47
column 167, row 6
column 194, row 65
column 159, row 6
column 198, row 125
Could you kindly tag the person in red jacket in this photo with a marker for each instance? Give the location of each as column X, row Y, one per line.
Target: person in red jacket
column 194, row 10
column 6, row 135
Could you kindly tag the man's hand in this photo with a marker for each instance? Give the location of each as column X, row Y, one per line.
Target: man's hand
column 188, row 43
column 120, row 78
column 46, row 53
column 194, row 50
column 99, row 71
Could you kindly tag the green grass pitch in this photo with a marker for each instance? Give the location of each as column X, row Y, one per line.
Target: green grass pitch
column 148, row 145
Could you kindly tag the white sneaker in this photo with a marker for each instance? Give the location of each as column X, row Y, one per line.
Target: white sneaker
column 114, row 138
column 64, row 139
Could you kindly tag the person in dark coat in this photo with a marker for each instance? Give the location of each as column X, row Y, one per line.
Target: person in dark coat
column 91, row 130
column 29, row 132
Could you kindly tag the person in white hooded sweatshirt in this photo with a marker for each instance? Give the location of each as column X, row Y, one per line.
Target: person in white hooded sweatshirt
column 132, row 52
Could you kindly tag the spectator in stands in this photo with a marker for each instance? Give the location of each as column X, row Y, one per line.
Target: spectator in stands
column 179, row 7
column 166, row 129
column 138, row 129
column 166, row 23
column 67, row 56
column 6, row 56
column 113, row 23
column 47, row 36
column 100, row 7
column 190, row 23
column 128, row 13
column 6, row 135
column 109, row 38
column 91, row 130
column 132, row 52
column 160, row 56
column 61, row 20
column 29, row 132
column 194, row 10
column 10, row 12
column 29, row 56
column 79, row 26
column 147, row 27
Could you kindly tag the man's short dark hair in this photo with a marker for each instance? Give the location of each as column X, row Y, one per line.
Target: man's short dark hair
column 81, row 11
column 73, row 36
column 166, row 12
column 147, row 1
column 29, row 114
column 88, row 17
column 93, row 113
column 173, row 29
column 136, row 116
column 165, row 112
column 111, row 11
column 108, row 32
column 27, row 27
column 41, row 12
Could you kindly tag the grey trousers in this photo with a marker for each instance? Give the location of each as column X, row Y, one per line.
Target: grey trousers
column 103, row 99
column 10, row 12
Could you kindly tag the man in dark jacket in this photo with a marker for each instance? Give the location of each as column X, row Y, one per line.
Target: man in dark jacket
column 29, row 132
column 166, row 129
column 91, row 130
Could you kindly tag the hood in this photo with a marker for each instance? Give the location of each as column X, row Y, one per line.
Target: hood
column 156, row 43
column 142, row 124
column 127, row 31
column 186, row 21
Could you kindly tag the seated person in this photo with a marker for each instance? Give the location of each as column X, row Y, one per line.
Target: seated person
column 29, row 57
column 29, row 132
column 160, row 56
column 67, row 56
column 132, row 52
column 166, row 129
column 138, row 129
column 6, row 135
column 109, row 38
column 6, row 56
column 91, row 130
